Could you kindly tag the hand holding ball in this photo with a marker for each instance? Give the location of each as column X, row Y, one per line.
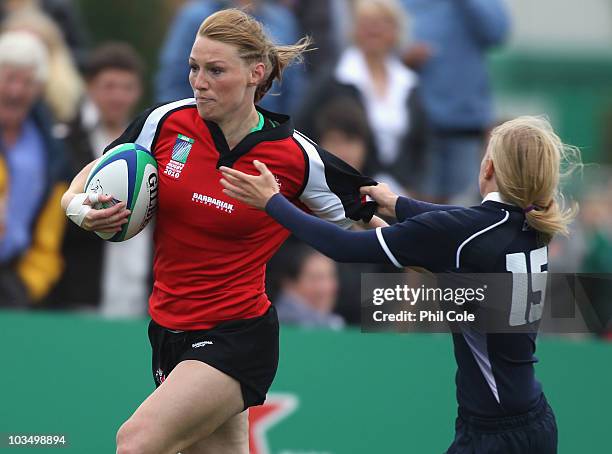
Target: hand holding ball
column 128, row 172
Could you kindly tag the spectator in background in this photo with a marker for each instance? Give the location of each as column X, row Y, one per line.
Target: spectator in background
column 370, row 72
column 342, row 129
column 171, row 81
column 65, row 13
column 30, row 259
column 3, row 194
column 113, row 276
column 309, row 290
column 64, row 88
column 596, row 220
column 327, row 22
column 451, row 42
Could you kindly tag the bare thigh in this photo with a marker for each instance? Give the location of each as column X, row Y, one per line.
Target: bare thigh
column 192, row 403
column 232, row 437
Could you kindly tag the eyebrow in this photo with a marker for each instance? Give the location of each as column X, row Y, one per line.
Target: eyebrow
column 213, row 62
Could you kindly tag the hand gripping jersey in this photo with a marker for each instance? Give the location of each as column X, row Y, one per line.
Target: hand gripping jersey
column 210, row 249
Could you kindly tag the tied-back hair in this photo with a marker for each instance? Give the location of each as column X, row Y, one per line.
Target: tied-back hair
column 235, row 27
column 530, row 161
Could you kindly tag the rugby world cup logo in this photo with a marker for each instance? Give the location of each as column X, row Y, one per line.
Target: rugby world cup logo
column 180, row 153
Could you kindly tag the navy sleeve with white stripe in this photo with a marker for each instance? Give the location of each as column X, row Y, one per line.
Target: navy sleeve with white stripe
column 406, row 207
column 410, row 243
column 434, row 240
column 333, row 241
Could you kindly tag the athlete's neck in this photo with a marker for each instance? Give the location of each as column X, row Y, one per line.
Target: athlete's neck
column 489, row 189
column 238, row 126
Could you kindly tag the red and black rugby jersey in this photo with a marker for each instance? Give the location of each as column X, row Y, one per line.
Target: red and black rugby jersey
column 210, row 249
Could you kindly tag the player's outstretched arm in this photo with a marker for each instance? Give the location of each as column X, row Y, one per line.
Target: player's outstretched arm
column 341, row 245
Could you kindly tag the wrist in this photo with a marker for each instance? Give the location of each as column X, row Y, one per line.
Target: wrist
column 66, row 199
column 272, row 200
column 393, row 202
column 76, row 209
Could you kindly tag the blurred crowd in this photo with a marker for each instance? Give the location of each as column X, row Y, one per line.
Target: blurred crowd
column 399, row 89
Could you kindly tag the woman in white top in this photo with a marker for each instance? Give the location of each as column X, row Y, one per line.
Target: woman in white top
column 370, row 70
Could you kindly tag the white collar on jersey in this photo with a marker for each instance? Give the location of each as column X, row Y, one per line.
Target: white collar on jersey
column 495, row 197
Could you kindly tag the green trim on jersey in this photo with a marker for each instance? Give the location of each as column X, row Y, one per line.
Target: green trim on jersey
column 260, row 123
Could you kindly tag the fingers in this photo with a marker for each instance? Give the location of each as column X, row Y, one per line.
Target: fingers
column 236, row 173
column 236, row 180
column 235, row 195
column 104, row 198
column 108, row 212
column 263, row 169
column 111, row 228
column 366, row 190
column 379, row 191
column 107, row 219
column 93, row 198
column 229, row 187
column 118, row 217
column 231, row 178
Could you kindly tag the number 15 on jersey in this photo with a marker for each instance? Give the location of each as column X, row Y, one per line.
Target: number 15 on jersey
column 528, row 285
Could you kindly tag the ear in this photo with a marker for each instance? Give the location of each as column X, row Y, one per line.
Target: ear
column 257, row 73
column 489, row 169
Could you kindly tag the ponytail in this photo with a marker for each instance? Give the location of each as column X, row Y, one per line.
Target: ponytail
column 279, row 57
column 530, row 162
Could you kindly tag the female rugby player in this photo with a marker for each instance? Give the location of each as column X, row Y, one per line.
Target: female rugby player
column 501, row 405
column 213, row 332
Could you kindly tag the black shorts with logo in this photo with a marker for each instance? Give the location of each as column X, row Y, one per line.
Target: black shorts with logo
column 246, row 350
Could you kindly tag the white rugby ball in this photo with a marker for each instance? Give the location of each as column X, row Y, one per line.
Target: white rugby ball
column 128, row 172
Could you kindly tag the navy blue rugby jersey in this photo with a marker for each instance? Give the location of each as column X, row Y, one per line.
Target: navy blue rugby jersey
column 495, row 375
column 495, row 372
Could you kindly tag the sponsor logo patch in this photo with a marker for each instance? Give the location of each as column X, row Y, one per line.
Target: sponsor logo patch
column 211, row 201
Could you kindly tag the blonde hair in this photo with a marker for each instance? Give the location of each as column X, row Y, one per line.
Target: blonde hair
column 237, row 28
column 530, row 160
column 64, row 88
column 392, row 9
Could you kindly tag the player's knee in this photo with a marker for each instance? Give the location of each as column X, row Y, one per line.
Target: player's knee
column 135, row 438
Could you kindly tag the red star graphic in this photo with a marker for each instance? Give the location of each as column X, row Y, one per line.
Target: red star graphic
column 262, row 417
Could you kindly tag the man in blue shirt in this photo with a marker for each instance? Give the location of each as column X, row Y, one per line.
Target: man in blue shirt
column 451, row 39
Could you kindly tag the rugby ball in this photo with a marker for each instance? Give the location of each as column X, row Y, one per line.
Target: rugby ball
column 128, row 172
